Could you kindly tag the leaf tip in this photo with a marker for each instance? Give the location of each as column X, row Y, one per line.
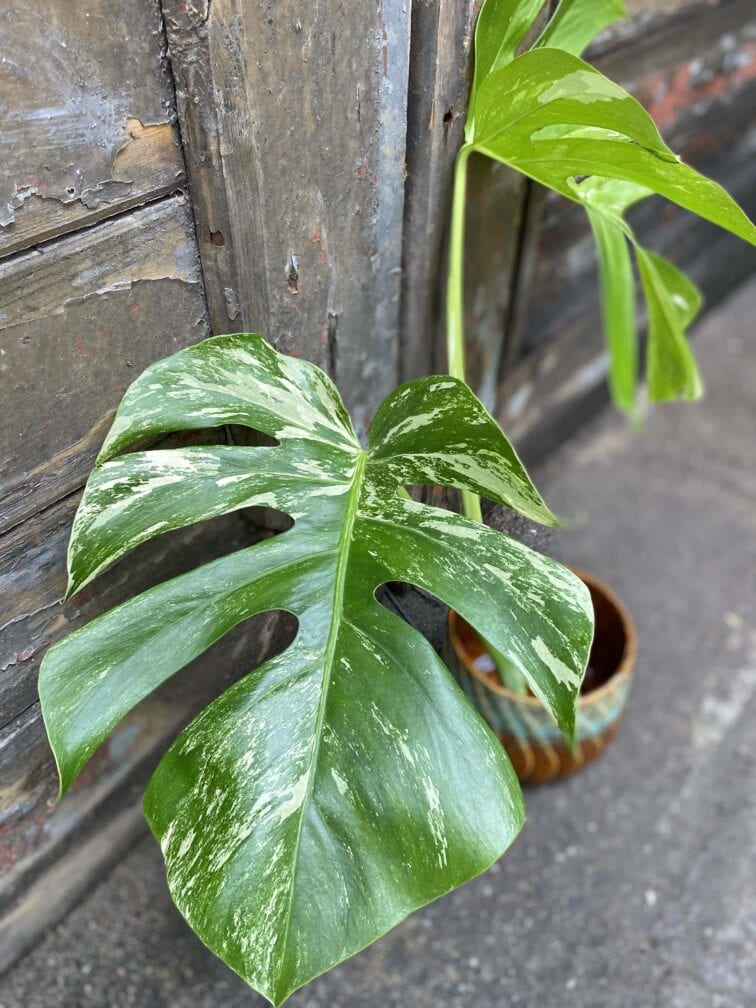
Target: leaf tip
column 555, row 521
column 105, row 453
column 567, row 726
column 65, row 780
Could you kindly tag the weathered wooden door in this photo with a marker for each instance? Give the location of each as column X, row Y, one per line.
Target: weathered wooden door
column 168, row 171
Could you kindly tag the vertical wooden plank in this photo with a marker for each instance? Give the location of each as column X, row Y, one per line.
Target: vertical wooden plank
column 497, row 199
column 292, row 118
column 499, row 211
column 439, row 79
column 504, row 209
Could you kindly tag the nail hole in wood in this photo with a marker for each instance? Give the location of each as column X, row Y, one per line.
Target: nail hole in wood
column 448, row 119
column 292, row 274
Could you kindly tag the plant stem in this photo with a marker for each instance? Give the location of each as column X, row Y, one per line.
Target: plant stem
column 455, row 288
column 455, row 352
column 455, row 347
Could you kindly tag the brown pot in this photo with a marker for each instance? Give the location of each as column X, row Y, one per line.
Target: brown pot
column 528, row 733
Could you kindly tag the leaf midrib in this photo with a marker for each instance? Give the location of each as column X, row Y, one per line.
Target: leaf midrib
column 342, row 565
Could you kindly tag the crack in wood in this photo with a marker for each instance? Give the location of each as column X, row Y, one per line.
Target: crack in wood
column 333, row 344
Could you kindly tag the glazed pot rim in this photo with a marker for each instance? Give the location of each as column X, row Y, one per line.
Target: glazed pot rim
column 623, row 670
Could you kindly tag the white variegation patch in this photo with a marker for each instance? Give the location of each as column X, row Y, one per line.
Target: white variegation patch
column 341, row 784
column 561, row 672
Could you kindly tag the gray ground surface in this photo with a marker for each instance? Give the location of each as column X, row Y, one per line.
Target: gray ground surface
column 632, row 884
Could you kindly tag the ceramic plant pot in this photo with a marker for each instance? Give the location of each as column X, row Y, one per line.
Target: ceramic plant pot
column 531, row 738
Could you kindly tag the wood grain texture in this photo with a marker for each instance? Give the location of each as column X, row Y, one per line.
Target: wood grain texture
column 500, row 211
column 440, row 73
column 496, row 226
column 80, row 319
column 33, row 581
column 293, row 122
column 87, row 116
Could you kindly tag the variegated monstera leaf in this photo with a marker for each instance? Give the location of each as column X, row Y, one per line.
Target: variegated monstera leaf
column 345, row 782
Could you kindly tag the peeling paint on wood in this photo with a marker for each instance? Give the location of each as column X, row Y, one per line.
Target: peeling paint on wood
column 88, row 119
column 85, row 304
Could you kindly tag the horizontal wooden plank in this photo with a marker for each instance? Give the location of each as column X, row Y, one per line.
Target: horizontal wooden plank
column 31, row 830
column 689, row 31
column 79, row 319
column 33, row 581
column 648, row 20
column 641, row 9
column 88, row 119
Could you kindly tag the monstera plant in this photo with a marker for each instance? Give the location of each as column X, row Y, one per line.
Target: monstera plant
column 346, row 781
column 554, row 118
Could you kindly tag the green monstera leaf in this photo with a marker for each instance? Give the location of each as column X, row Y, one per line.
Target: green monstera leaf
column 503, row 25
column 558, row 120
column 346, row 781
column 673, row 301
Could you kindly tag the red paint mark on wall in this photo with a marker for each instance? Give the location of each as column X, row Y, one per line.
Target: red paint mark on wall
column 7, row 860
column 666, row 96
column 80, row 348
column 363, row 172
column 317, row 238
